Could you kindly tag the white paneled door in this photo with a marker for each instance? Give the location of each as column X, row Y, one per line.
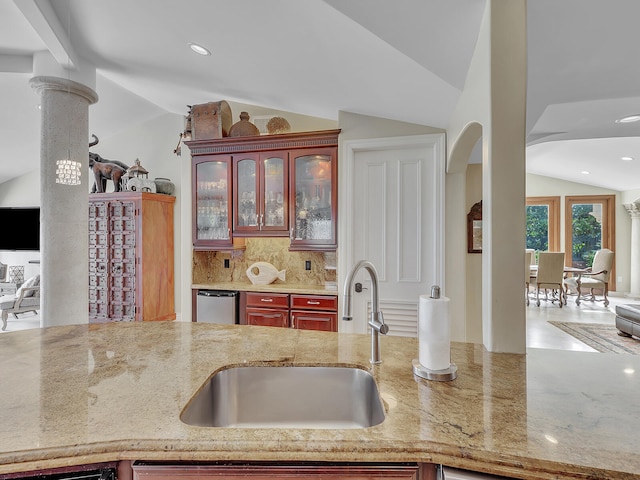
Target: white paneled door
column 394, row 218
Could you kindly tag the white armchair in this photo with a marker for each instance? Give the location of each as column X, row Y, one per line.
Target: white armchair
column 26, row 299
column 594, row 278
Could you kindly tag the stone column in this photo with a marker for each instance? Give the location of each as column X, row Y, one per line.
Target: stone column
column 64, row 202
column 633, row 209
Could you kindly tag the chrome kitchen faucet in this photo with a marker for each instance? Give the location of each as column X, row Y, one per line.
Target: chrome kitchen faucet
column 377, row 320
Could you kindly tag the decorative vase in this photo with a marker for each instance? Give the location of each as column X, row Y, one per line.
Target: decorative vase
column 244, row 127
column 164, row 185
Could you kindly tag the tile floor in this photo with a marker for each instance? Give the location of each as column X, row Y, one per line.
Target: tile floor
column 540, row 333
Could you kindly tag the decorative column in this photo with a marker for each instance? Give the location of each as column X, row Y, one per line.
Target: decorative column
column 64, row 154
column 633, row 209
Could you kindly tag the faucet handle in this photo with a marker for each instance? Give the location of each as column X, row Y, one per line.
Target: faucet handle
column 377, row 323
column 384, row 328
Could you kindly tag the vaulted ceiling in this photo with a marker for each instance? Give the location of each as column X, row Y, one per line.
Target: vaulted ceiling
column 403, row 60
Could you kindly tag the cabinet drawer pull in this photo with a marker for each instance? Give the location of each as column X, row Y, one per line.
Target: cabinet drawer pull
column 273, row 315
column 268, row 300
column 310, row 302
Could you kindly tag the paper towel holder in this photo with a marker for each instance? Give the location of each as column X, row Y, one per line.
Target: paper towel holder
column 444, row 375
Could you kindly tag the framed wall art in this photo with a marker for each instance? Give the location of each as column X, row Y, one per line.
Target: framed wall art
column 474, row 228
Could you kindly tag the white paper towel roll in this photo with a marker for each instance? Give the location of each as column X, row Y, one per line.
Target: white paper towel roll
column 434, row 333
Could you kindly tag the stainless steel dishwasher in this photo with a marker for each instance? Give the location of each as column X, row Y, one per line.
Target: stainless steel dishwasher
column 217, row 306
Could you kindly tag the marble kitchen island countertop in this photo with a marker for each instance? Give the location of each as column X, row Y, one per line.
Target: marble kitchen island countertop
column 80, row 394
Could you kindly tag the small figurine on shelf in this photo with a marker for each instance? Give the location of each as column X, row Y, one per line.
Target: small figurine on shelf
column 139, row 179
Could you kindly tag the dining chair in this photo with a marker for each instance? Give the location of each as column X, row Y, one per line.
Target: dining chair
column 533, row 255
column 550, row 276
column 527, row 274
column 593, row 279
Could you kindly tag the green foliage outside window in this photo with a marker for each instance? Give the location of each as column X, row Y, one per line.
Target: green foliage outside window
column 587, row 235
column 538, row 227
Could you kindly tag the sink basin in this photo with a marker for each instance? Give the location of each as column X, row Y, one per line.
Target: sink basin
column 287, row 397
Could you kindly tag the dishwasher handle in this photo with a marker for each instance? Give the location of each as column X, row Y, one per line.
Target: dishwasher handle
column 216, row 293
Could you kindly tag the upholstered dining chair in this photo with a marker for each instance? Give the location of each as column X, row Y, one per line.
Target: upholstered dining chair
column 550, row 276
column 533, row 255
column 595, row 278
column 527, row 274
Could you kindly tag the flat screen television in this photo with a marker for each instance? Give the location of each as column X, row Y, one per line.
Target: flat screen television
column 20, row 228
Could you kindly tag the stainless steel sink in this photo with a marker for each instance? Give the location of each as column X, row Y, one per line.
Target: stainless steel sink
column 287, row 397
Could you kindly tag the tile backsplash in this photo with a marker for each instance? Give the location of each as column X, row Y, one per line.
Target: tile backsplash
column 208, row 267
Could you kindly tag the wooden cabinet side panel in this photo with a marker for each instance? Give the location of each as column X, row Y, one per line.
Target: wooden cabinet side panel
column 156, row 270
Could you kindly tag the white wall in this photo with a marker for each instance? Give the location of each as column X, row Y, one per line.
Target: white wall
column 540, row 186
column 23, row 191
column 494, row 97
column 473, row 299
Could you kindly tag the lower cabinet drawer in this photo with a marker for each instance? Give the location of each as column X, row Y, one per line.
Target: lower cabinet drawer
column 267, row 300
column 267, row 317
column 305, row 320
column 314, row 302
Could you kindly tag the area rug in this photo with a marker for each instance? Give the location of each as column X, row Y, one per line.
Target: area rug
column 603, row 338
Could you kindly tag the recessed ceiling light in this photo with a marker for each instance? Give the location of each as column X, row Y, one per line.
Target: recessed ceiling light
column 199, row 49
column 626, row 159
column 629, row 371
column 584, row 172
column 629, row 119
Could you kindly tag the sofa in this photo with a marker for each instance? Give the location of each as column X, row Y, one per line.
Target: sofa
column 628, row 320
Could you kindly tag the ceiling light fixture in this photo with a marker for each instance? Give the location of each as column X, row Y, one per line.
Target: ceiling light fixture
column 626, row 159
column 584, row 172
column 629, row 118
column 199, row 49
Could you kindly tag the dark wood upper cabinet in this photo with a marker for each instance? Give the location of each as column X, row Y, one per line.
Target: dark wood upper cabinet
column 269, row 186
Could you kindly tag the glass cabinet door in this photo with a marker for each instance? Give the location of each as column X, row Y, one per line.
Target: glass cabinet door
column 274, row 215
column 260, row 194
column 314, row 187
column 246, row 194
column 211, row 225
